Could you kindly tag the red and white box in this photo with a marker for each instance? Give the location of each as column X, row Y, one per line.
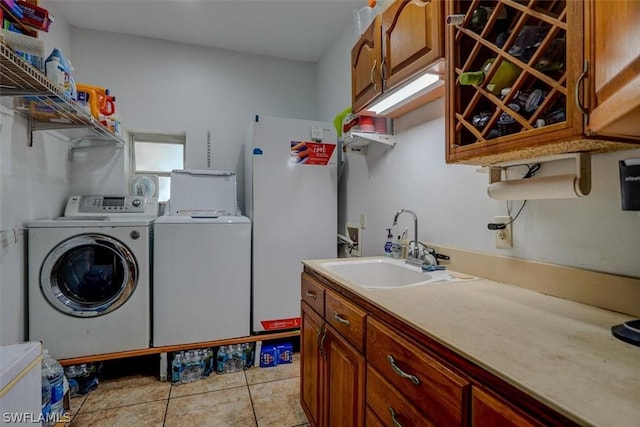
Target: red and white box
column 35, row 16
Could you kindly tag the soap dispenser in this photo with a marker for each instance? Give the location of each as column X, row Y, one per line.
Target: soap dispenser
column 388, row 244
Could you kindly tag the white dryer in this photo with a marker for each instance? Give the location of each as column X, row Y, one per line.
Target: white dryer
column 89, row 277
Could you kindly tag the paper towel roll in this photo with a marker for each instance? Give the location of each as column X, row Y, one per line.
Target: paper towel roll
column 548, row 187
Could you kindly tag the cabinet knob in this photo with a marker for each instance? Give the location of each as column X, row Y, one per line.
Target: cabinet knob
column 310, row 295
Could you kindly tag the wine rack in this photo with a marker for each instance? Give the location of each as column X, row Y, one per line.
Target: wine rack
column 531, row 38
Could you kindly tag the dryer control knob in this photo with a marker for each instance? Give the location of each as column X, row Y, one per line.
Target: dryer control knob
column 136, row 203
column 135, row 234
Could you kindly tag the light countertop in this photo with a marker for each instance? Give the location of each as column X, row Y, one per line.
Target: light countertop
column 560, row 352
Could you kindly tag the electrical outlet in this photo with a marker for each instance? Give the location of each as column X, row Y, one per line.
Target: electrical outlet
column 363, row 221
column 504, row 237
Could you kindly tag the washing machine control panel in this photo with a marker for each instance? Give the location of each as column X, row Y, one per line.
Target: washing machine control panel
column 100, row 205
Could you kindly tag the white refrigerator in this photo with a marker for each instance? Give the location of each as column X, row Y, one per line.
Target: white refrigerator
column 291, row 198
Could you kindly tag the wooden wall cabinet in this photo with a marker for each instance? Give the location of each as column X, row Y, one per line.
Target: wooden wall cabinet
column 613, row 34
column 347, row 342
column 403, row 41
column 547, row 108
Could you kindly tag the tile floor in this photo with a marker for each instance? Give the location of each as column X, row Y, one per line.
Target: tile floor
column 260, row 397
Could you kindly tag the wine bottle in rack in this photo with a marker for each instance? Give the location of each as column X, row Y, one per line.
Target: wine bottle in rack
column 504, row 76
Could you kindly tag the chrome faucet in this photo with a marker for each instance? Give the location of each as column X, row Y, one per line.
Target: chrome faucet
column 414, row 251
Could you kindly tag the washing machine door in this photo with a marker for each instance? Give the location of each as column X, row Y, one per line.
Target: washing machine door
column 88, row 275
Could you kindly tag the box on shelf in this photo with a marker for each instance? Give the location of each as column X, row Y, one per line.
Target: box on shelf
column 35, row 16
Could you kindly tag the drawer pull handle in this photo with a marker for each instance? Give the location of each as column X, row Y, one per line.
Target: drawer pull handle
column 340, row 319
column 400, row 372
column 393, row 418
column 310, row 295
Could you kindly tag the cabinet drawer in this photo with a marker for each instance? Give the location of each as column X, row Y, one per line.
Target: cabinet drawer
column 389, row 405
column 345, row 318
column 313, row 294
column 436, row 390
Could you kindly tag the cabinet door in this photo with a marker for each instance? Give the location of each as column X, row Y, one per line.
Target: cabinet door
column 311, row 364
column 539, row 115
column 345, row 373
column 412, row 39
column 366, row 59
column 488, row 410
column 614, row 33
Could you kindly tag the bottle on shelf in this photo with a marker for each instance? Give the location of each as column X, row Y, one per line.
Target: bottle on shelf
column 553, row 57
column 504, row 76
column 54, row 373
column 481, row 16
column 527, row 42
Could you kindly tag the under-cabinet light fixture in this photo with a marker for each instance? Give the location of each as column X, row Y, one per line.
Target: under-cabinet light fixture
column 405, row 94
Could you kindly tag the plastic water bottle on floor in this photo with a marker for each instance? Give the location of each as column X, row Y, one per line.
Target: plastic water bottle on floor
column 176, row 369
column 221, row 360
column 186, row 371
column 73, row 373
column 196, row 366
column 230, row 365
column 46, row 402
column 54, row 373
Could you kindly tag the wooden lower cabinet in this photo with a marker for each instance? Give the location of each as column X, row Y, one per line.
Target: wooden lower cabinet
column 489, row 410
column 360, row 367
column 311, row 364
column 344, row 389
column 332, row 375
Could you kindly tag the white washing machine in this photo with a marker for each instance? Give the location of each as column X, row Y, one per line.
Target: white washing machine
column 202, row 262
column 89, row 276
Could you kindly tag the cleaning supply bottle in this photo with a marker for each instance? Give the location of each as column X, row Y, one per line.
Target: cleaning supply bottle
column 396, row 249
column 404, row 244
column 388, row 244
column 58, row 69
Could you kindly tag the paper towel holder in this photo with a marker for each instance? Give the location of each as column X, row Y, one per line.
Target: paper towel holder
column 581, row 181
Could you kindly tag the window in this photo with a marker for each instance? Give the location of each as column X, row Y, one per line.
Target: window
column 159, row 154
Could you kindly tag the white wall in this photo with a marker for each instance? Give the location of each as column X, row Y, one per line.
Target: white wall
column 33, row 185
column 159, row 86
column 172, row 87
column 450, row 200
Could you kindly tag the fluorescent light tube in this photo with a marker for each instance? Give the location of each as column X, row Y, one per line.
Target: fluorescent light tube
column 405, row 93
